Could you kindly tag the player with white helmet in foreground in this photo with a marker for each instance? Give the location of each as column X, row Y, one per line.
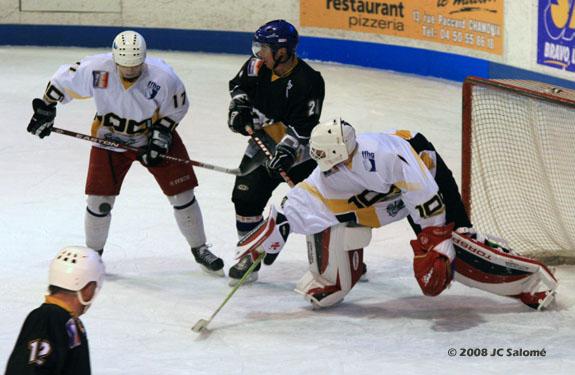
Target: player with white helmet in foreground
column 53, row 339
column 370, row 180
column 140, row 101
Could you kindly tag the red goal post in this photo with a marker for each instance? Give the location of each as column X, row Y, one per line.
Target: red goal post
column 518, row 164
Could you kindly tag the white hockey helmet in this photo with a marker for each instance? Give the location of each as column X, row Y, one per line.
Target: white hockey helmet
column 129, row 49
column 76, row 266
column 331, row 143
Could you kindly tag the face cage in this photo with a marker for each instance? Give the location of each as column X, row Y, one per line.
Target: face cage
column 317, row 154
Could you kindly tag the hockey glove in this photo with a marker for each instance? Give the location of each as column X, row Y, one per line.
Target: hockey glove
column 240, row 114
column 432, row 267
column 284, row 156
column 43, row 118
column 158, row 145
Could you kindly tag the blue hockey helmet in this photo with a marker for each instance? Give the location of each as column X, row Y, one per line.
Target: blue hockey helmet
column 276, row 34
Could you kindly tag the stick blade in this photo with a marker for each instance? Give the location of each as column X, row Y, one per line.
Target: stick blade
column 200, row 325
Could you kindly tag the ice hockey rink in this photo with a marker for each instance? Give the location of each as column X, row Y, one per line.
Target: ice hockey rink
column 154, row 292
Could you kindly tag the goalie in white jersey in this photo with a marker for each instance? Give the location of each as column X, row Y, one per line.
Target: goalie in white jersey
column 139, row 102
column 374, row 179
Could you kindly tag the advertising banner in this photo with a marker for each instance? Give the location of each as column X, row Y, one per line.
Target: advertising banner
column 556, row 34
column 473, row 24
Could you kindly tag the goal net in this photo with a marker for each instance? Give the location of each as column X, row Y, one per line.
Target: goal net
column 518, row 166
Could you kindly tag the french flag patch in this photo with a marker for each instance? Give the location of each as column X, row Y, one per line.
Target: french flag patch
column 100, row 79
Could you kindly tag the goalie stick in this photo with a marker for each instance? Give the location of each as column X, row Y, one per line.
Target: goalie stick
column 203, row 323
column 105, row 142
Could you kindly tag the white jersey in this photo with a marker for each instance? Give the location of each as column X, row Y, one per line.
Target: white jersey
column 385, row 181
column 125, row 111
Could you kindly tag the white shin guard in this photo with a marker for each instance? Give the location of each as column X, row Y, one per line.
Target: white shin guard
column 189, row 217
column 336, row 264
column 97, row 220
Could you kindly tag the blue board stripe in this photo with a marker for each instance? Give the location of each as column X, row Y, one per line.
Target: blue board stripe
column 373, row 55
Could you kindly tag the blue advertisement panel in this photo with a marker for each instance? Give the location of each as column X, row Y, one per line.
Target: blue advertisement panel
column 556, row 34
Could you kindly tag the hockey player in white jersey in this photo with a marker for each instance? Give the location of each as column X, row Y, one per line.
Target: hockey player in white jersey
column 374, row 179
column 139, row 102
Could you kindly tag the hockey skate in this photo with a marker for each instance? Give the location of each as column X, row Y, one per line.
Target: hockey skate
column 209, row 262
column 240, row 268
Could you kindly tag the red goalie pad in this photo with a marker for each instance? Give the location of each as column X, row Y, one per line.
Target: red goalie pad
column 501, row 271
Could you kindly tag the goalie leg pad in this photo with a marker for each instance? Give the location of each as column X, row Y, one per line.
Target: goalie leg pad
column 336, row 264
column 269, row 237
column 498, row 270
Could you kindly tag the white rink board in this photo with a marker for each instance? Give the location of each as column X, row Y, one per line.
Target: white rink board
column 78, row 6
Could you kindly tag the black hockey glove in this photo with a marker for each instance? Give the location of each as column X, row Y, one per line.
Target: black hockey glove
column 240, row 114
column 43, row 118
column 284, row 157
column 158, row 145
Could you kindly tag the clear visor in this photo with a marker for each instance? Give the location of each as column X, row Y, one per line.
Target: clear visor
column 316, row 154
column 257, row 47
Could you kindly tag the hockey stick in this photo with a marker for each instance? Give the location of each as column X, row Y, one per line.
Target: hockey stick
column 268, row 154
column 105, row 142
column 203, row 323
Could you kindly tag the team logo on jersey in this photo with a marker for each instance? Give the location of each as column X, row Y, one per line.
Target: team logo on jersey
column 368, row 161
column 254, row 67
column 288, row 87
column 395, row 207
column 152, row 90
column 73, row 334
column 100, row 79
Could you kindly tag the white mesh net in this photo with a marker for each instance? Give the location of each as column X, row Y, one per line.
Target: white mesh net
column 522, row 185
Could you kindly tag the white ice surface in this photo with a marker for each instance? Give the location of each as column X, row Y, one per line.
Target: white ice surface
column 154, row 291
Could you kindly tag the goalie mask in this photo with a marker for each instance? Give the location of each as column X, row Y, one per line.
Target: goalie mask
column 332, row 143
column 129, row 49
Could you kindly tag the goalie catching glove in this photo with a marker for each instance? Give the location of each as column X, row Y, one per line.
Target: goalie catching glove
column 43, row 118
column 158, row 145
column 268, row 237
column 433, row 252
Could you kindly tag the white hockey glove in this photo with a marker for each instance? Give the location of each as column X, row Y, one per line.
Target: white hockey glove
column 43, row 119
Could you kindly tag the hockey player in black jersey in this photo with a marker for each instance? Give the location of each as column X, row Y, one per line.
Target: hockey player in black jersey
column 280, row 97
column 53, row 339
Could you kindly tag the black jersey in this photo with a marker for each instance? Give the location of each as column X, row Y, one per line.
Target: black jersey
column 51, row 341
column 294, row 99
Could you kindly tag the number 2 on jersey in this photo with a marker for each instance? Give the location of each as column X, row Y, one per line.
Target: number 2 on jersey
column 39, row 350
